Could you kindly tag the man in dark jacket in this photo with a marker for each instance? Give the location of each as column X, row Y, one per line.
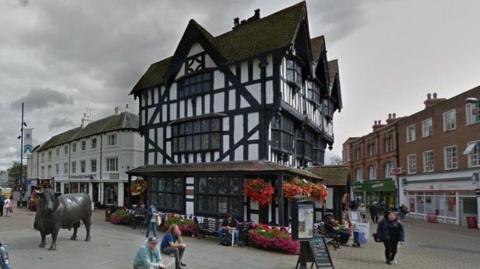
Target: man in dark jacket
column 374, row 212
column 390, row 231
column 2, row 202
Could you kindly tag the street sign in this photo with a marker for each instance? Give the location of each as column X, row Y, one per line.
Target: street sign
column 397, row 171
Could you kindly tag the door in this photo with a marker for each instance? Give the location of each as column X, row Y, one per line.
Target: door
column 468, row 208
column 95, row 192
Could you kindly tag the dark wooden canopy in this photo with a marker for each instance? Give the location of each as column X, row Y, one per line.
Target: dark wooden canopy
column 239, row 167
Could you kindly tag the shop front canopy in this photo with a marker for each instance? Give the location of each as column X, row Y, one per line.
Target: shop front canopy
column 382, row 185
column 252, row 168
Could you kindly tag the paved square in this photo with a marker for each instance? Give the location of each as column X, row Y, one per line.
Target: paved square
column 428, row 246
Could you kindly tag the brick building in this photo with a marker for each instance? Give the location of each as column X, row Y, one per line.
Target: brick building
column 439, row 150
column 371, row 159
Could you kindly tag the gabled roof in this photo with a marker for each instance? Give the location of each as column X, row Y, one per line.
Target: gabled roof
column 122, row 121
column 332, row 175
column 334, row 79
column 318, row 45
column 275, row 31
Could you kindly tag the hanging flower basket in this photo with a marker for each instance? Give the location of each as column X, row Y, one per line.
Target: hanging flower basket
column 302, row 187
column 260, row 191
column 319, row 192
column 291, row 189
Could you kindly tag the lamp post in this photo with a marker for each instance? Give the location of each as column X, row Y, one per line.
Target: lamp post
column 475, row 176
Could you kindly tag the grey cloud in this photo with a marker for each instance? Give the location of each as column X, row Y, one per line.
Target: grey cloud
column 337, row 19
column 42, row 98
column 57, row 123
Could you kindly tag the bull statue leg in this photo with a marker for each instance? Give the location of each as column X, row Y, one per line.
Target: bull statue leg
column 55, row 231
column 87, row 223
column 43, row 243
column 75, row 229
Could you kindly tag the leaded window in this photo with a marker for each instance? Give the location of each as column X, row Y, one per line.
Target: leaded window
column 217, row 196
column 197, row 135
column 282, row 134
column 313, row 92
column 195, row 85
column 294, row 73
column 168, row 193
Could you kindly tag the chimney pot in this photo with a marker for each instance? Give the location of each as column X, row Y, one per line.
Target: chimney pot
column 389, row 115
column 394, row 115
column 429, row 96
column 116, row 110
column 257, row 13
column 434, row 95
column 236, row 22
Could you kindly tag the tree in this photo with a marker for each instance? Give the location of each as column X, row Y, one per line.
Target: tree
column 14, row 172
column 336, row 160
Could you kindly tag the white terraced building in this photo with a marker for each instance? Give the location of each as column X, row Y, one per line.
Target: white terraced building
column 92, row 158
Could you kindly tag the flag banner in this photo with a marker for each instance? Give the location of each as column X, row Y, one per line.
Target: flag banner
column 27, row 141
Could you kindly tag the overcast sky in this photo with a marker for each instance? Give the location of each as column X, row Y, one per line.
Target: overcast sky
column 64, row 57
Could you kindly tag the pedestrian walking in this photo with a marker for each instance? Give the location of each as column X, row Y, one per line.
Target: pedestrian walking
column 8, row 207
column 390, row 231
column 4, row 259
column 2, row 203
column 148, row 256
column 172, row 244
column 151, row 219
column 374, row 212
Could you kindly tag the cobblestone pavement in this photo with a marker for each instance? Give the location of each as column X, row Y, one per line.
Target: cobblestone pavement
column 427, row 246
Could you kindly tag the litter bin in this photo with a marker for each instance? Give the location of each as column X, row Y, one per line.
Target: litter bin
column 472, row 222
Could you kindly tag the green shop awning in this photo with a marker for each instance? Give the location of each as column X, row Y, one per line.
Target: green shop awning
column 383, row 185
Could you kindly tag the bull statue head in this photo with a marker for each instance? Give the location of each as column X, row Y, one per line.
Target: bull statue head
column 47, row 200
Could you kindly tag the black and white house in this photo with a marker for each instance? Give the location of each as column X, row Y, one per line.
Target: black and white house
column 256, row 101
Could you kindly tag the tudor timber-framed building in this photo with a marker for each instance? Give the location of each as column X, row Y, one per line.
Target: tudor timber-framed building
column 257, row 101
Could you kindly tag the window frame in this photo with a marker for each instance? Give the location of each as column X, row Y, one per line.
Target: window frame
column 411, row 169
column 426, row 167
column 109, row 165
column 411, row 137
column 173, row 192
column 186, row 85
column 93, row 143
column 229, row 196
column 446, row 156
column 424, row 127
column 445, row 120
column 93, row 164
column 470, row 113
column 286, row 131
column 189, row 136
column 475, row 151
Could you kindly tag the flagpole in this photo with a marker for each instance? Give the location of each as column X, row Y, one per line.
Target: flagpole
column 21, row 149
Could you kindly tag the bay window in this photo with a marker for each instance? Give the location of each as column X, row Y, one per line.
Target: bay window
column 282, row 134
column 218, row 196
column 168, row 193
column 294, row 73
column 196, row 135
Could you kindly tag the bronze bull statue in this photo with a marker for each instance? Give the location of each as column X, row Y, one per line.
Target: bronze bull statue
column 57, row 211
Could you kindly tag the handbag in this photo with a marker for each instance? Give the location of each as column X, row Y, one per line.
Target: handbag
column 158, row 220
column 376, row 238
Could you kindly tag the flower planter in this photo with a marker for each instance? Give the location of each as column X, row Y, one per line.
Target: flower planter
column 275, row 239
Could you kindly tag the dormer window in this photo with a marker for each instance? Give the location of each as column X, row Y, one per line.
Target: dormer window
column 195, row 85
column 294, row 73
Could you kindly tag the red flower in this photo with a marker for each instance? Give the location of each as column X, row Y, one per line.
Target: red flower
column 260, row 191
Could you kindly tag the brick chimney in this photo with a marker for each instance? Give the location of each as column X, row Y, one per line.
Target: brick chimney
column 377, row 125
column 237, row 22
column 391, row 117
column 432, row 100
